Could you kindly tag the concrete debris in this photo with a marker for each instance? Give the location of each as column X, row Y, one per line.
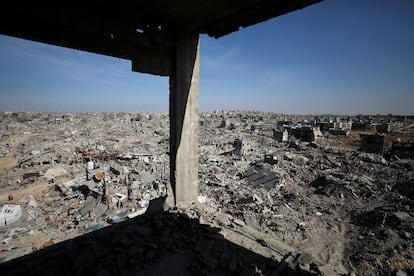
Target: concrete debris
column 296, row 189
column 77, row 176
column 160, row 244
column 55, row 172
column 319, row 185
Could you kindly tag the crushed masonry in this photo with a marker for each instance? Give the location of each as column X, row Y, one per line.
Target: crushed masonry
column 323, row 195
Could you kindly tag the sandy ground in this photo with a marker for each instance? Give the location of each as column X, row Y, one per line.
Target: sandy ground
column 36, row 189
column 352, row 141
column 9, row 162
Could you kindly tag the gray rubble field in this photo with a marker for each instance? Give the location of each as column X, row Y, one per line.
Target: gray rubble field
column 303, row 194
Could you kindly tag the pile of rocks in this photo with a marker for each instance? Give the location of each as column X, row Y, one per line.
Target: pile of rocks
column 163, row 243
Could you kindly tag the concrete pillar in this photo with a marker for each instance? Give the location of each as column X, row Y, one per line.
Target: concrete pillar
column 184, row 118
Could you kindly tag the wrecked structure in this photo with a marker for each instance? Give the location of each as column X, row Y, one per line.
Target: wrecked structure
column 404, row 150
column 358, row 125
column 325, row 126
column 372, row 143
column 304, row 133
column 383, row 127
column 260, row 176
column 238, row 145
column 281, row 135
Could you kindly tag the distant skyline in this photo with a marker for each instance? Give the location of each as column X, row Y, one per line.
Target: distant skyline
column 334, row 57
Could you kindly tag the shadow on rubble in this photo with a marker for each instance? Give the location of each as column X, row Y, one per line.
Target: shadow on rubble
column 157, row 243
column 406, row 188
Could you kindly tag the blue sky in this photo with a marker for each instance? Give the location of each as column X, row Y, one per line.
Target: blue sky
column 338, row 56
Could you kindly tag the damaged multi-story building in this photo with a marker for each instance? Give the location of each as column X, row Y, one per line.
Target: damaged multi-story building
column 403, row 150
column 372, row 143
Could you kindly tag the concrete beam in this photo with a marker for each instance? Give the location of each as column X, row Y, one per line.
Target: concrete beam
column 184, row 118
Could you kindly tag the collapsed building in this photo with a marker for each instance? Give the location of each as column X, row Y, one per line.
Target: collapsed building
column 302, row 133
column 281, row 136
column 306, row 134
column 358, row 125
column 372, row 143
column 383, row 127
column 260, row 176
column 325, row 126
column 403, row 150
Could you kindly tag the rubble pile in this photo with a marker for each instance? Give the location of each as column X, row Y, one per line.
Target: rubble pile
column 160, row 244
column 352, row 211
column 317, row 202
column 71, row 174
column 74, row 208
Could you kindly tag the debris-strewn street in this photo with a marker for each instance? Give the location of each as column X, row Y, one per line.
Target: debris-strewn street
column 340, row 198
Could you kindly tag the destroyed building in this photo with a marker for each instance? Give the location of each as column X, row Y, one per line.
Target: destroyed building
column 372, row 143
column 260, row 176
column 270, row 158
column 281, row 125
column 281, row 135
column 358, row 125
column 238, row 144
column 325, row 126
column 223, row 124
column 340, row 125
column 304, row 133
column 383, row 128
column 403, row 150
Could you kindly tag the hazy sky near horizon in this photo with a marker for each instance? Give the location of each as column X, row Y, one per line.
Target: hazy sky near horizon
column 337, row 56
